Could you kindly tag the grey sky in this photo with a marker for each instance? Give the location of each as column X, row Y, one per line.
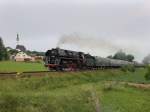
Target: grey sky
column 40, row 23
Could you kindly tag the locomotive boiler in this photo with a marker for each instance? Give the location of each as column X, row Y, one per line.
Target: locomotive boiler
column 61, row 59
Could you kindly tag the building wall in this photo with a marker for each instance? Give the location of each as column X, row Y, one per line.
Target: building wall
column 21, row 56
column 19, row 59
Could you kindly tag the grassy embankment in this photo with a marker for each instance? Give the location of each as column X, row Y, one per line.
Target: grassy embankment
column 12, row 66
column 76, row 92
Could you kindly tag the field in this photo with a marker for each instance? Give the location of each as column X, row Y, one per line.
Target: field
column 88, row 91
column 12, row 66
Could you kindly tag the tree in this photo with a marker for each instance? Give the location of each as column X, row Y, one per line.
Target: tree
column 3, row 51
column 36, row 53
column 12, row 51
column 21, row 48
column 110, row 57
column 120, row 55
column 130, row 57
column 147, row 75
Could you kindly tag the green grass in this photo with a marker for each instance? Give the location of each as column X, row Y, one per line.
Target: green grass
column 86, row 91
column 12, row 66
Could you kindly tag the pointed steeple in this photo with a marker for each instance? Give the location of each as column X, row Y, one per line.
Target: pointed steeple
column 17, row 39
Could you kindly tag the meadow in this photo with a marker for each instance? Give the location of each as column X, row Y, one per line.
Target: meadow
column 12, row 66
column 86, row 91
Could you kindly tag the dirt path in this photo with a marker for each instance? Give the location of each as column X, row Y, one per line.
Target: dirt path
column 142, row 86
column 132, row 84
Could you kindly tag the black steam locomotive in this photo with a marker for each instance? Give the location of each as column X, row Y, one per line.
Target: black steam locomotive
column 60, row 59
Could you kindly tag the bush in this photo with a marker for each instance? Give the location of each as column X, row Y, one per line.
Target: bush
column 110, row 86
column 27, row 59
column 147, row 75
column 8, row 103
column 124, row 68
column 38, row 61
column 129, row 68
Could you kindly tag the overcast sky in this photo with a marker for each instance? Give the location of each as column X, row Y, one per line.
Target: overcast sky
column 41, row 23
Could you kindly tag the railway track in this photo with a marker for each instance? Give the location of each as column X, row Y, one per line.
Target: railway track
column 23, row 74
column 39, row 73
column 4, row 75
column 31, row 73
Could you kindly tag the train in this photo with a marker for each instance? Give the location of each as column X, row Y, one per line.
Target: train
column 61, row 59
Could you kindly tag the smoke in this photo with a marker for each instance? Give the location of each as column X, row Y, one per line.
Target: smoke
column 146, row 60
column 101, row 46
column 86, row 42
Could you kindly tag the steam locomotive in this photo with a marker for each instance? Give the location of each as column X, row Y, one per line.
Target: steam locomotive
column 61, row 59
